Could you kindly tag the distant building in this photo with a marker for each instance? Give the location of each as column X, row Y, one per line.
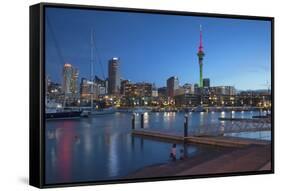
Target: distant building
column 189, row 89
column 206, row 83
column 179, row 91
column 172, row 86
column 187, row 100
column 154, row 91
column 113, row 76
column 70, row 77
column 162, row 92
column 196, row 89
column 138, row 90
column 223, row 90
column 101, row 87
column 85, row 89
column 123, row 84
column 54, row 91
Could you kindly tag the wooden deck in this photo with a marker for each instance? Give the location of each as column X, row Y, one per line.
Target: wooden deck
column 170, row 136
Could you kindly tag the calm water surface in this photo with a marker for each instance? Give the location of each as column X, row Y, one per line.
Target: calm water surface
column 102, row 148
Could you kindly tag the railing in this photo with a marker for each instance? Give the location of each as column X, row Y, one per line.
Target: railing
column 233, row 126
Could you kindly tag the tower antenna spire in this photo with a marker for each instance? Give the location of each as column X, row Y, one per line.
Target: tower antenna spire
column 201, row 42
column 200, row 55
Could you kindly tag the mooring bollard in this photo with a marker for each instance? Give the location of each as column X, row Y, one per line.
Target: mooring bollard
column 186, row 125
column 142, row 118
column 133, row 121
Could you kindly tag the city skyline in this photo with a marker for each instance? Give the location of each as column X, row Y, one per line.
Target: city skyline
column 154, row 62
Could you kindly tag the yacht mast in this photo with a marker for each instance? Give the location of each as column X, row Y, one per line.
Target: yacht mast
column 92, row 67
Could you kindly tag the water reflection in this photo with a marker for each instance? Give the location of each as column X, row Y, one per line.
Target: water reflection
column 113, row 156
column 102, row 148
column 65, row 146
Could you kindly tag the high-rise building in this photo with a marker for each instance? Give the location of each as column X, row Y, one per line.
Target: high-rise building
column 172, row 86
column 206, row 82
column 113, row 76
column 70, row 77
column 200, row 55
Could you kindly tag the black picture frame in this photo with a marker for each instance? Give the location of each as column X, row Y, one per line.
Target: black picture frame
column 37, row 87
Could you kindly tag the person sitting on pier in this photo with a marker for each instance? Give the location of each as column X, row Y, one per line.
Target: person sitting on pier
column 173, row 153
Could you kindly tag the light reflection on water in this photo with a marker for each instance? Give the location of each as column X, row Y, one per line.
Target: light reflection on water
column 102, row 148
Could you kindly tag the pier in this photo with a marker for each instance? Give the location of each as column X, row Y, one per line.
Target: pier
column 170, row 136
column 211, row 134
column 235, row 154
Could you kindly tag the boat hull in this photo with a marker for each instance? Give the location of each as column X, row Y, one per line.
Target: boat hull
column 63, row 115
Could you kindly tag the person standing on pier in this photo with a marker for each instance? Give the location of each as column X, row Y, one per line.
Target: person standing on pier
column 173, row 153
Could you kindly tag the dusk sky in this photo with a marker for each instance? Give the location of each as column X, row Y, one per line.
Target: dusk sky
column 153, row 47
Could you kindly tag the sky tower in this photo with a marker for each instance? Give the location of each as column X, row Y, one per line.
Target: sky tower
column 200, row 55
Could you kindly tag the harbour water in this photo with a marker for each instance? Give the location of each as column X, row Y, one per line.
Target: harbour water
column 102, row 148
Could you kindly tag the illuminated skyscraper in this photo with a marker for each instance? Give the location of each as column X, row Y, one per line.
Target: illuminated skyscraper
column 200, row 55
column 114, row 77
column 70, row 77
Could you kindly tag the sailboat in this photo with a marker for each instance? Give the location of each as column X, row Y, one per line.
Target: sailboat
column 95, row 111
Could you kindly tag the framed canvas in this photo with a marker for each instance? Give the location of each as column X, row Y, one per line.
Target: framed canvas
column 121, row 95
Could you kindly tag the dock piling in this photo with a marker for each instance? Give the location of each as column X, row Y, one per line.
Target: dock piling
column 142, row 120
column 186, row 126
column 133, row 121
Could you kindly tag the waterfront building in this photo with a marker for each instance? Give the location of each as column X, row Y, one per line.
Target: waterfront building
column 123, row 84
column 100, row 86
column 137, row 94
column 223, row 90
column 85, row 89
column 114, row 76
column 172, row 86
column 142, row 89
column 187, row 100
column 70, row 77
column 200, row 55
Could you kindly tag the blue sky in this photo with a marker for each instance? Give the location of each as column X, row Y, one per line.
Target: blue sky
column 153, row 47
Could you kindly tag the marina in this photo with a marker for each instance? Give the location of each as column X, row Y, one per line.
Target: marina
column 117, row 111
column 103, row 147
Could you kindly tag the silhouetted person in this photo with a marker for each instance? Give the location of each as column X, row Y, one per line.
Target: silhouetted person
column 173, row 153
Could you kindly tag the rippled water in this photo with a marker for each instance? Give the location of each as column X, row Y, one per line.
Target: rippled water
column 102, row 148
